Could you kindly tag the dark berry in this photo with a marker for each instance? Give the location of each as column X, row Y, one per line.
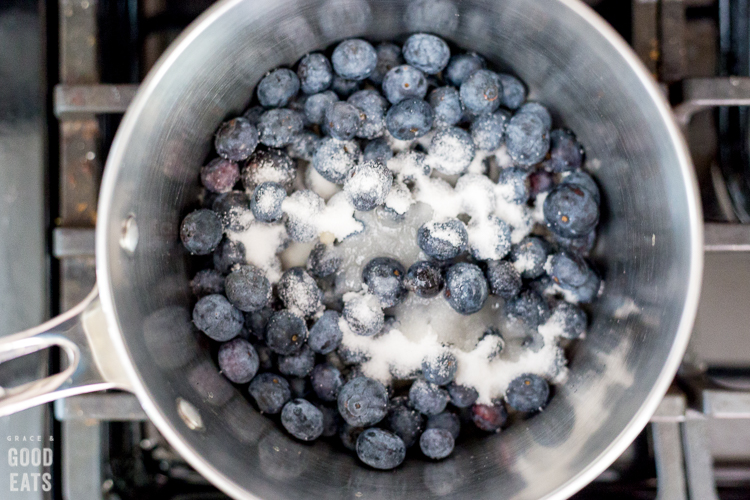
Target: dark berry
column 331, row 420
column 481, row 92
column 425, row 278
column 324, row 260
column 462, row 396
column 462, row 66
column 367, row 185
column 409, row 119
column 489, row 418
column 201, row 231
column 343, row 87
column 389, row 56
column 589, row 290
column 446, row 103
column 364, row 315
column 217, row 318
column 371, row 106
column 238, row 361
column 427, row 53
column 529, row 256
column 488, row 131
column 253, row 114
column 380, row 449
column 503, row 278
column 384, row 278
column 326, row 381
column 440, row 368
column 300, row 387
column 428, row 398
column 583, row 180
column 527, row 393
column 451, row 151
column 528, row 307
column 540, row 182
column 270, row 392
column 404, row 82
column 489, row 238
column 302, row 420
column 406, row 422
column 266, row 202
column 354, row 59
column 325, row 334
column 315, row 73
column 363, row 401
column 436, row 443
column 304, row 145
column 247, row 288
column 571, row 211
column 527, row 139
column 443, row 240
column 571, row 320
column 342, row 121
column 266, row 357
column 220, row 175
column 378, row 150
column 298, row 364
column 277, row 88
column 514, row 93
column 568, row 270
column 286, row 333
column 256, row 321
column 334, row 159
column 317, row 105
column 207, row 282
column 565, row 153
column 299, row 291
column 269, row 166
column 466, row 288
column 512, row 185
column 278, row 127
column 232, row 209
column 536, row 109
column 236, row 139
column 348, row 435
column 228, row 255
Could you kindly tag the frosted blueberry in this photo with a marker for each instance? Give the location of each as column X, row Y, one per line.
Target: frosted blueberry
column 334, row 159
column 315, row 73
column 427, row 53
column 367, row 185
column 354, row 59
column 451, row 151
column 278, row 127
column 277, row 88
column 371, row 106
column 404, row 82
column 266, row 202
column 443, row 240
column 364, row 315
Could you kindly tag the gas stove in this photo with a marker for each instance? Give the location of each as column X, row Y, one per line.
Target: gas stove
column 70, row 68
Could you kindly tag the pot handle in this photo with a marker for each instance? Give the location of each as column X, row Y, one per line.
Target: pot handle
column 90, row 361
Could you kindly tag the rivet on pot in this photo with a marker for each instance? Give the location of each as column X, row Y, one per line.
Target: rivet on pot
column 190, row 415
column 129, row 235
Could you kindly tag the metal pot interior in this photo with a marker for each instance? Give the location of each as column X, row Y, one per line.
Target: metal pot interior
column 648, row 250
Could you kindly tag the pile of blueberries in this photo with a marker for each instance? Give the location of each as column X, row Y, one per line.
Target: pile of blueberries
column 278, row 342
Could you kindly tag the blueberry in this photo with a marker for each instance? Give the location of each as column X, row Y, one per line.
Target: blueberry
column 371, row 106
column 271, row 165
column 568, row 270
column 565, row 153
column 425, row 278
column 286, row 333
column 270, row 392
column 428, row 398
column 436, row 443
column 427, row 53
column 253, row 114
column 487, row 131
column 201, row 231
column 404, row 82
column 343, row 87
column 364, row 315
column 266, row 202
column 325, row 334
column 331, row 420
column 207, row 282
column 228, row 255
column 363, row 401
column 446, row 103
column 300, row 387
column 220, row 175
column 354, row 59
column 462, row 396
column 514, row 93
column 589, row 290
column 571, row 320
column 571, row 211
column 443, row 240
column 440, row 368
column 277, row 88
column 304, row 145
column 389, row 56
column 527, row 139
column 528, row 392
column 451, row 151
column 380, row 449
column 466, row 288
column 342, row 121
column 326, row 381
column 256, row 321
column 217, row 318
column 278, row 127
column 266, row 357
column 238, row 361
column 302, row 420
column 236, row 139
column 540, row 182
column 378, row 150
column 384, row 278
column 324, row 260
column 536, row 109
column 529, row 256
column 462, row 66
column 512, row 185
column 489, row 418
column 583, row 245
column 585, row 181
column 299, row 291
column 315, row 73
column 528, row 307
column 492, row 342
column 409, row 119
column 406, row 422
column 300, row 208
column 232, row 207
column 481, row 92
column 367, row 185
column 247, row 288
column 298, row 364
column 348, row 435
column 317, row 105
column 334, row 159
column 489, row 238
column 503, row 278
column 410, row 165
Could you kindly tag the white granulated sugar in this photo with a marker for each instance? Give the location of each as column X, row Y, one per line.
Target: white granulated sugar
column 296, row 254
column 407, row 165
column 478, row 164
column 524, row 262
column 335, row 217
column 444, row 233
column 439, row 195
column 262, row 242
column 486, row 240
column 449, row 155
column 397, row 145
column 518, row 216
column 319, row 185
column 502, row 157
column 477, row 195
column 399, row 198
column 538, row 213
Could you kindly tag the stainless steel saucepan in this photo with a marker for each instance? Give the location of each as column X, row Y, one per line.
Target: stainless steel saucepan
column 136, row 333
